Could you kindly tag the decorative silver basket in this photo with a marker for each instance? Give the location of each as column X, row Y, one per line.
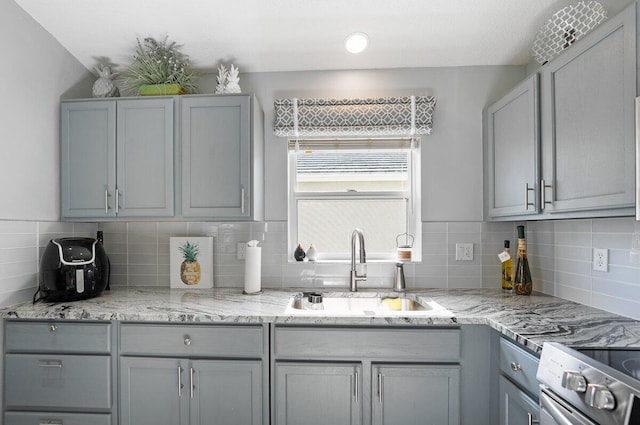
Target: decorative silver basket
column 565, row 27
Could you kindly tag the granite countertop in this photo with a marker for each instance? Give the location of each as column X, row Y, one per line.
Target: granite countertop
column 530, row 320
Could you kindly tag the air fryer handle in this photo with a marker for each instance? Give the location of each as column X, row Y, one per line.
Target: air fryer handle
column 108, row 287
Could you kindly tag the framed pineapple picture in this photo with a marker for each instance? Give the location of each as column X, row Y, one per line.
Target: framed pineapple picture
column 191, row 262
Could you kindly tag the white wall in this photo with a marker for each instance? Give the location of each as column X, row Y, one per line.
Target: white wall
column 452, row 154
column 36, row 72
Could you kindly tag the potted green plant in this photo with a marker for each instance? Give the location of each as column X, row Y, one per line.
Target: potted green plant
column 159, row 68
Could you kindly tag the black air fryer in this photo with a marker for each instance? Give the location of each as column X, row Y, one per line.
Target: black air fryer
column 73, row 269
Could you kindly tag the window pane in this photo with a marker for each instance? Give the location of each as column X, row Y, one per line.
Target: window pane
column 352, row 170
column 328, row 224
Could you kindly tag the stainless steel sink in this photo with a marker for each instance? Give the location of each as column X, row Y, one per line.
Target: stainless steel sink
column 336, row 305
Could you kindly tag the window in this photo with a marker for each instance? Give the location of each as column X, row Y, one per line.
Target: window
column 338, row 185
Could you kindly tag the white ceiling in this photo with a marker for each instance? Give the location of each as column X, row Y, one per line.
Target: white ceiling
column 295, row 35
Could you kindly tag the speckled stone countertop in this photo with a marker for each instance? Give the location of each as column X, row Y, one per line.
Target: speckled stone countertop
column 530, row 320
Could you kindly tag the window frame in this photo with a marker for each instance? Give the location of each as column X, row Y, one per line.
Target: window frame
column 412, row 195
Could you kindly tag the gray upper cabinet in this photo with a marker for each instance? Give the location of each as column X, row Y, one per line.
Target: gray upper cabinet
column 117, row 158
column 222, row 175
column 512, row 151
column 587, row 99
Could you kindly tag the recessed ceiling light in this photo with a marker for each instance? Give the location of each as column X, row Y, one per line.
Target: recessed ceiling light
column 356, row 42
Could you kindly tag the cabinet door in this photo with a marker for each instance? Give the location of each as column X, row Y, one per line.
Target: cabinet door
column 216, row 148
column 226, row 392
column 416, row 394
column 88, row 159
column 588, row 125
column 516, row 407
column 513, row 147
column 318, row 394
column 153, row 391
column 145, row 158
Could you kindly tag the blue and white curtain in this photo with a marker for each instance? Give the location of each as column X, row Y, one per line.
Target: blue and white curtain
column 388, row 116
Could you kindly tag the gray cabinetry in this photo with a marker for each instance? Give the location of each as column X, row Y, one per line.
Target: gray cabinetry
column 222, row 171
column 587, row 100
column 512, row 152
column 406, row 393
column 357, row 374
column 516, row 407
column 192, row 374
column 56, row 370
column 518, row 386
column 117, row 158
column 318, row 393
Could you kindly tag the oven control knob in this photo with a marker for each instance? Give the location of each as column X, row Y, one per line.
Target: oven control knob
column 599, row 397
column 574, row 381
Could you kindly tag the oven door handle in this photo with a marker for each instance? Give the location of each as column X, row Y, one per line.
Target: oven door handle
column 560, row 414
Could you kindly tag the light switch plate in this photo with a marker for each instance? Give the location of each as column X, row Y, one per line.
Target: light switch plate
column 464, row 252
column 241, row 250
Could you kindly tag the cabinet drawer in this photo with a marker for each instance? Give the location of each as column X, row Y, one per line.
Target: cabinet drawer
column 49, row 418
column 519, row 365
column 420, row 344
column 57, row 337
column 194, row 340
column 57, row 381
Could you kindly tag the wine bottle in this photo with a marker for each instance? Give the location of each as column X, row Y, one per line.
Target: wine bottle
column 507, row 268
column 522, row 283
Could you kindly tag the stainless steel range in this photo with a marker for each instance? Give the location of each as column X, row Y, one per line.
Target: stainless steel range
column 589, row 386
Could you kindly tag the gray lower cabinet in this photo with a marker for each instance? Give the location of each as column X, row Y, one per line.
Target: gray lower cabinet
column 512, row 152
column 318, row 394
column 180, row 391
column 192, row 374
column 409, row 394
column 222, row 170
column 117, row 158
column 366, row 375
column 517, row 386
column 516, row 407
column 58, row 372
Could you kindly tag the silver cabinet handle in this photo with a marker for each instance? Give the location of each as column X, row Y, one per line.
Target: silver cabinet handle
column 530, row 420
column 242, row 199
column 117, row 201
column 106, row 201
column 515, row 366
column 180, row 386
column 187, row 340
column 53, row 327
column 526, row 196
column 356, row 386
column 543, row 197
column 192, row 384
column 380, row 383
column 50, row 422
column 55, row 364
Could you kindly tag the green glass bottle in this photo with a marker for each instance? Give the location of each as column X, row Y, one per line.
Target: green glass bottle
column 522, row 283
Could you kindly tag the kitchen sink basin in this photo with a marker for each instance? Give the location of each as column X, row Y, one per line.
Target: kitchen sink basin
column 336, row 305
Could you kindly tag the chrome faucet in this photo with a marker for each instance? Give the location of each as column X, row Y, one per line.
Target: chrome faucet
column 355, row 277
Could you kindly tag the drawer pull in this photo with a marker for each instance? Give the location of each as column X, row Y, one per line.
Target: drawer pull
column 53, row 327
column 187, row 340
column 51, row 422
column 515, row 366
column 52, row 364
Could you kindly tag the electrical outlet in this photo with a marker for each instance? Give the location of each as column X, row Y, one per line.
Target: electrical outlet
column 241, row 250
column 600, row 259
column 464, row 252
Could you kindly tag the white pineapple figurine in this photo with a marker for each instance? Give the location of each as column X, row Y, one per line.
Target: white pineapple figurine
column 222, row 80
column 233, row 80
column 104, row 85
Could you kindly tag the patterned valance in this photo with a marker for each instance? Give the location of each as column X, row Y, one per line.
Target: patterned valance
column 388, row 116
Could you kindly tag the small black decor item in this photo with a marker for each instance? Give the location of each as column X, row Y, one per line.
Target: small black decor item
column 299, row 254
